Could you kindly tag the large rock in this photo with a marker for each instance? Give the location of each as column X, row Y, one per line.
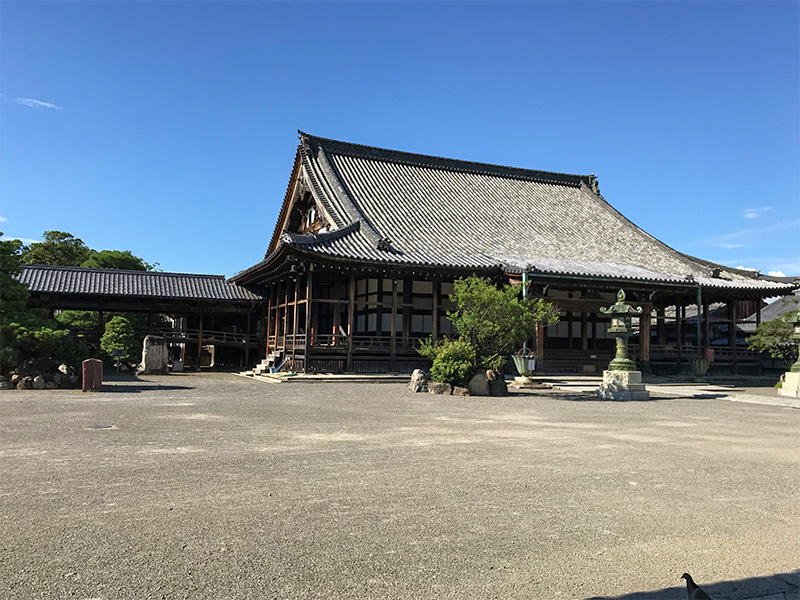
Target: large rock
column 4, row 385
column 39, row 383
column 155, row 356
column 498, row 387
column 478, row 385
column 436, row 387
column 419, row 381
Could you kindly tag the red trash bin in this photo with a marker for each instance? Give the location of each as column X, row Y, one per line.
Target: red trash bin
column 92, row 369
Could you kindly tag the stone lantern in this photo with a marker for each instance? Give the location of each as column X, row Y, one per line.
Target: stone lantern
column 621, row 381
column 791, row 379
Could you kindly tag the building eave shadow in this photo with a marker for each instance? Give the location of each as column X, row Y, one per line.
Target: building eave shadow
column 779, row 586
column 138, row 388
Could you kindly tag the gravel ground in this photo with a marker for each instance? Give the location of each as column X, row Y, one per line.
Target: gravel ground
column 217, row 486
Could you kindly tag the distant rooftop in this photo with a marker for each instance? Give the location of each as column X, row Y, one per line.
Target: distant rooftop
column 47, row 279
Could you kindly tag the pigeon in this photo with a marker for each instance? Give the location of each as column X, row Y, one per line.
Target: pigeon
column 694, row 591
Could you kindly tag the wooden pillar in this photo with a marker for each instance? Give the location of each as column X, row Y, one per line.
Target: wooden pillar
column 758, row 322
column 268, row 320
column 351, row 315
column 732, row 336
column 307, row 349
column 247, row 340
column 336, row 323
column 199, row 341
column 706, row 327
column 584, row 331
column 644, row 336
column 680, row 314
column 295, row 328
column 407, row 285
column 393, row 329
column 101, row 325
column 661, row 327
column 285, row 310
column 540, row 342
column 435, row 322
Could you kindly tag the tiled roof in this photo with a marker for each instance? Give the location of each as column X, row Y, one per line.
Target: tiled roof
column 774, row 310
column 388, row 206
column 116, row 282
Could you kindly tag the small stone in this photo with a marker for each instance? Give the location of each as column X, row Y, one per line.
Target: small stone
column 25, row 383
column 460, row 391
column 73, row 380
column 58, row 378
column 63, row 368
column 39, row 383
column 4, row 385
column 51, row 385
column 437, row 387
column 15, row 379
column 3, row 378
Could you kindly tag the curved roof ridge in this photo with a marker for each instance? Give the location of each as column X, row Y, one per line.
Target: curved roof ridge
column 451, row 164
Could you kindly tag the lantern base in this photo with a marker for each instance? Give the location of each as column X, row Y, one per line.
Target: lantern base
column 791, row 385
column 622, row 385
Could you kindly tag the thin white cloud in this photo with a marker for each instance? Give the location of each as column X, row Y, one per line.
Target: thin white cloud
column 36, row 103
column 754, row 213
column 741, row 268
column 730, row 246
column 754, row 231
column 3, row 219
column 23, row 240
column 776, row 274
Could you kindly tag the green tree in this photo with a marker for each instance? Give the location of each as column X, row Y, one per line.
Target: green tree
column 120, row 335
column 116, row 259
column 453, row 360
column 24, row 332
column 58, row 248
column 495, row 321
column 775, row 338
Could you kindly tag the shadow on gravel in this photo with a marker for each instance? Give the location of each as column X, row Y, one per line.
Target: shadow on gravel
column 138, row 388
column 780, row 586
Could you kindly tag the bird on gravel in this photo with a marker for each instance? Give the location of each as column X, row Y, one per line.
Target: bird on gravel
column 694, row 591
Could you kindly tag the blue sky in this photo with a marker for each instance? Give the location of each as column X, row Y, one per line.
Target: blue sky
column 169, row 128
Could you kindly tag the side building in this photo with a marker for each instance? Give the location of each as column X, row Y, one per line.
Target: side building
column 369, row 241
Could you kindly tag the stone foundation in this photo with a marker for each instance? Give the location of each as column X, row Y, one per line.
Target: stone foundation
column 791, row 385
column 622, row 385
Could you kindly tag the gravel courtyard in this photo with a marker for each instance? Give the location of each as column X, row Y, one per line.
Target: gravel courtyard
column 218, row 486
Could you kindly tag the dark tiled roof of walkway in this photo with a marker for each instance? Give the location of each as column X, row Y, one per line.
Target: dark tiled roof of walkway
column 116, row 282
